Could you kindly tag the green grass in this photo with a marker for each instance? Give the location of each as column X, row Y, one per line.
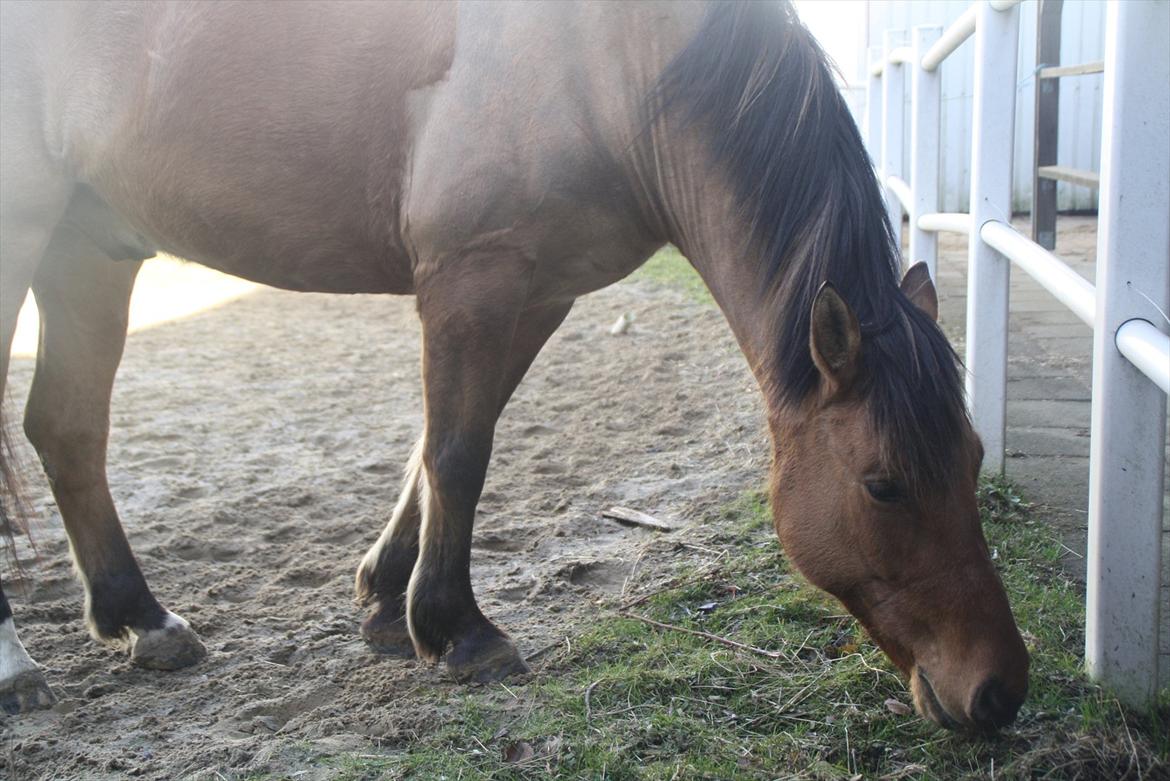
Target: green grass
column 669, row 267
column 630, row 700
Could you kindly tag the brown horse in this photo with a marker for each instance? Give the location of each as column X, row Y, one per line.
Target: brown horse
column 497, row 161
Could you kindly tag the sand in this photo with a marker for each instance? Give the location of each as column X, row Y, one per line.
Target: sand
column 256, row 451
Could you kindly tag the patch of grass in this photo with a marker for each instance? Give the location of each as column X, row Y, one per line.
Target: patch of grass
column 669, row 267
column 629, row 700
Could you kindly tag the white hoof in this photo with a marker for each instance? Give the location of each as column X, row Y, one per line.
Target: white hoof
column 22, row 685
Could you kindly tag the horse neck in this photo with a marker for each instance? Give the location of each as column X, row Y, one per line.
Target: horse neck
column 701, row 217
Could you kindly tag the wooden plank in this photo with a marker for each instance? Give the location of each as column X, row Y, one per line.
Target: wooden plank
column 1070, row 175
column 1046, row 127
column 1083, row 69
column 625, row 515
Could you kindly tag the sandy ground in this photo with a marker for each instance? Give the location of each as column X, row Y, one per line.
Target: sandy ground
column 255, row 453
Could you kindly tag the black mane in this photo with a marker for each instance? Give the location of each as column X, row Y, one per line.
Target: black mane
column 763, row 91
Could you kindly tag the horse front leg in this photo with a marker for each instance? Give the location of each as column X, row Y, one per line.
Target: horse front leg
column 83, row 298
column 385, row 570
column 469, row 317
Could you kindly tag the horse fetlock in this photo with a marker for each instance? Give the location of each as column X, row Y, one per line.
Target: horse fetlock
column 172, row 646
column 484, row 655
column 363, row 581
column 384, row 572
column 437, row 612
column 442, row 617
column 117, row 602
column 385, row 630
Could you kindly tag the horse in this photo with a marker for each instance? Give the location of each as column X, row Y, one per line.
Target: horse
column 497, row 161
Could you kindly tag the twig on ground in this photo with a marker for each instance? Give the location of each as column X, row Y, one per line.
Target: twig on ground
column 542, row 651
column 707, row 635
column 588, row 694
column 628, row 517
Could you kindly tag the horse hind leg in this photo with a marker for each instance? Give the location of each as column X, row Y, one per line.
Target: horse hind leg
column 22, row 685
column 33, row 196
column 83, row 299
column 385, row 570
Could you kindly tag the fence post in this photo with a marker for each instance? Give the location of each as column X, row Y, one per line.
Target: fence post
column 873, row 106
column 925, row 100
column 1127, row 443
column 893, row 112
column 988, row 272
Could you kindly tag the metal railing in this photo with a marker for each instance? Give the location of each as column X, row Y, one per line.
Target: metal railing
column 1126, row 307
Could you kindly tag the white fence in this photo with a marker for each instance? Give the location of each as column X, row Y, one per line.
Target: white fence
column 1126, row 308
column 1079, row 141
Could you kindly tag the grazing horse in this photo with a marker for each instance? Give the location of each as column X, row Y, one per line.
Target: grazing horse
column 497, row 160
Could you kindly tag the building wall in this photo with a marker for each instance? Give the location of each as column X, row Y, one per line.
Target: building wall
column 1079, row 143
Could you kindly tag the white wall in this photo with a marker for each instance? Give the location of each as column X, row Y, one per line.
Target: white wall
column 846, row 27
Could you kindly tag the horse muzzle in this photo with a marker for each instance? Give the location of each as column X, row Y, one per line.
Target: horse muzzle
column 992, row 706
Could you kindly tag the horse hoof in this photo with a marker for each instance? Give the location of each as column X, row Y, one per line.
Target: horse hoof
column 387, row 635
column 172, row 647
column 483, row 660
column 25, row 692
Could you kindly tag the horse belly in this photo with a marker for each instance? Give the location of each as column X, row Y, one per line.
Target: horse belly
column 293, row 240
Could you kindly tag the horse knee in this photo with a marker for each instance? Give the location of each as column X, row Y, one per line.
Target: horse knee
column 72, row 457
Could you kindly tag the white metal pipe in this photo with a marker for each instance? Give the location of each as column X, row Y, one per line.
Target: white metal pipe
column 953, row 37
column 1069, row 287
column 893, row 112
column 1128, row 429
column 873, row 110
column 900, row 55
column 925, row 107
column 901, row 191
column 946, row 222
column 896, row 56
column 959, row 31
column 989, row 272
column 1148, row 349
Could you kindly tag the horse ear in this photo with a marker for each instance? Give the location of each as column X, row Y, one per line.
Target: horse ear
column 918, row 287
column 834, row 338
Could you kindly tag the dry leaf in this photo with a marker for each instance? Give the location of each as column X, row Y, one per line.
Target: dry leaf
column 898, row 707
column 520, row 751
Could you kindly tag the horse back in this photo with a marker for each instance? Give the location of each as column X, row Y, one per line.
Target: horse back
column 326, row 146
column 268, row 140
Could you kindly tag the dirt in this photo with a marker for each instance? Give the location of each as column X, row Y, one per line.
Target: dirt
column 255, row 453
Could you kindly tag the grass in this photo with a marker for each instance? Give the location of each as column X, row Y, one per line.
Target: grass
column 631, row 700
column 669, row 267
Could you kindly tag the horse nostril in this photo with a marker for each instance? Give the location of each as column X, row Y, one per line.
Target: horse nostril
column 994, row 706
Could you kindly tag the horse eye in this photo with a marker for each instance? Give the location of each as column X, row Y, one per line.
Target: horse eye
column 884, row 490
